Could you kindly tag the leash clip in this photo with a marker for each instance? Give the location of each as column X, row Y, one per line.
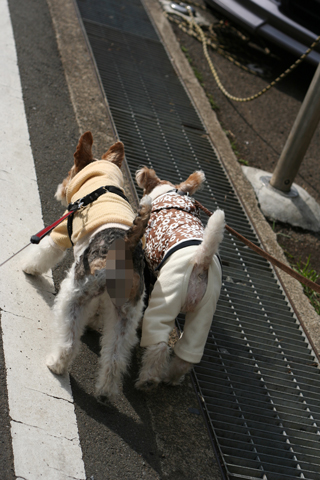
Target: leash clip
column 73, row 207
column 80, row 203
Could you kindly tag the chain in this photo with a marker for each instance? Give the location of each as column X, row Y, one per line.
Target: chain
column 215, row 46
column 196, row 31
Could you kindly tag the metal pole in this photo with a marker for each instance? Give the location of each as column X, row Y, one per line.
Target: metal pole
column 299, row 138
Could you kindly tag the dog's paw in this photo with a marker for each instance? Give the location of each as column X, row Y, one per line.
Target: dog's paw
column 55, row 365
column 174, row 382
column 103, row 399
column 107, row 398
column 30, row 269
column 108, row 388
column 147, row 385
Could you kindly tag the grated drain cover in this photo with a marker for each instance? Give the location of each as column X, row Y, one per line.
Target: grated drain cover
column 259, row 379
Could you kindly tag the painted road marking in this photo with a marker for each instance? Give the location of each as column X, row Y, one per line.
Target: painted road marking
column 43, row 423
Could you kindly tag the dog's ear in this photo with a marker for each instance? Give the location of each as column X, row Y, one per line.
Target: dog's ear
column 147, row 179
column 193, row 182
column 115, row 154
column 83, row 154
column 82, row 157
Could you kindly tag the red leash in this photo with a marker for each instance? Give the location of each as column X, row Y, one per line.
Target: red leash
column 72, row 208
column 40, row 235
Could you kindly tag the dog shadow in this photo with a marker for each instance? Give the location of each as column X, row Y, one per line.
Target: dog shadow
column 47, row 285
column 43, row 286
column 134, row 427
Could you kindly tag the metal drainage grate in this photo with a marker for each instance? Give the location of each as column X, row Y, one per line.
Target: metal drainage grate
column 259, row 379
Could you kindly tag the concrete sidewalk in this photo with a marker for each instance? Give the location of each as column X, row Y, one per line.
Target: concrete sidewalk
column 59, row 433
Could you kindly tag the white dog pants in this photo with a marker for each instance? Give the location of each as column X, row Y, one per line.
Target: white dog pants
column 168, row 297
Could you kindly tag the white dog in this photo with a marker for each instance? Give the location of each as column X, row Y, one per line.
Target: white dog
column 107, row 275
column 184, row 256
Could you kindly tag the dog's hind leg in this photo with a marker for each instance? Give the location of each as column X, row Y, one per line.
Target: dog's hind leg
column 154, row 365
column 176, row 371
column 70, row 319
column 118, row 339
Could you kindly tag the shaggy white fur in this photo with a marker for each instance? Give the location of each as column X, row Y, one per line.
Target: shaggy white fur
column 155, row 362
column 38, row 259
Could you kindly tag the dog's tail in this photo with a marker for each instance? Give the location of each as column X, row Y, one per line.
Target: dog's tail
column 213, row 236
column 136, row 232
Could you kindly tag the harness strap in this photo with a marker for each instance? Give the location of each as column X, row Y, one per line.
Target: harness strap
column 187, row 243
column 171, row 208
column 91, row 197
column 179, row 192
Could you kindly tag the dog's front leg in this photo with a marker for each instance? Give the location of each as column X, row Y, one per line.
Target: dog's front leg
column 40, row 258
column 71, row 315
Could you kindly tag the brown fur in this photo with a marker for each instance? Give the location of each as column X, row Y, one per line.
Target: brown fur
column 192, row 184
column 147, row 179
column 136, row 232
column 115, row 154
column 83, row 156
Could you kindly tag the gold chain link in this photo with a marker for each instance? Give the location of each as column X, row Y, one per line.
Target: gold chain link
column 194, row 28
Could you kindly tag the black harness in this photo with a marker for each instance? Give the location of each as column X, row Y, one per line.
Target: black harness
column 91, row 197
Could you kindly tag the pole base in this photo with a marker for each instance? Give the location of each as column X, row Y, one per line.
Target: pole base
column 296, row 208
column 293, row 192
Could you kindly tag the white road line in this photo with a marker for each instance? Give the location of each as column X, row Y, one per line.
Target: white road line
column 43, row 423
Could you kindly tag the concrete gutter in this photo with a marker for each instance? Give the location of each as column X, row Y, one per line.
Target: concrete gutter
column 92, row 113
column 86, row 92
column 306, row 314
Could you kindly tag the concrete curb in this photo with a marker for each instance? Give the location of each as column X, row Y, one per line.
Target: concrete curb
column 293, row 289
